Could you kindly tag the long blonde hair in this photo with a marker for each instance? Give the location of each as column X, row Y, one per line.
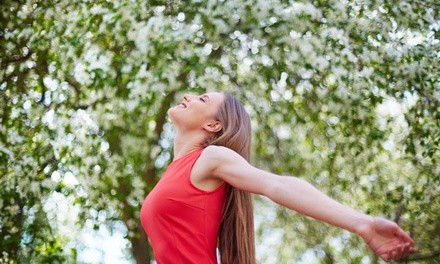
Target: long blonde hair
column 236, row 235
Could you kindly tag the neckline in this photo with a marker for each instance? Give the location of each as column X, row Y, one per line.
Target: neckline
column 187, row 154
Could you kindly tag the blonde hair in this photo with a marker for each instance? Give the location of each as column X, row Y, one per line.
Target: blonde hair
column 236, row 234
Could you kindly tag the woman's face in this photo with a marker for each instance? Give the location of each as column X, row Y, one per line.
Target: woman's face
column 196, row 112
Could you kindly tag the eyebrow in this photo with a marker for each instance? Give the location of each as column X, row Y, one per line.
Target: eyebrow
column 206, row 96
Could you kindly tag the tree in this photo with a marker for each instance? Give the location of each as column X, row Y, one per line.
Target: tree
column 343, row 94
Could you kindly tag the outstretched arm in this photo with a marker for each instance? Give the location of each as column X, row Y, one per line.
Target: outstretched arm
column 384, row 237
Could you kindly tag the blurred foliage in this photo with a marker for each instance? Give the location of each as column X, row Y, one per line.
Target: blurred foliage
column 344, row 94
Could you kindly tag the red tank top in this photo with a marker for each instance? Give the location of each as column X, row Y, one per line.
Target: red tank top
column 182, row 221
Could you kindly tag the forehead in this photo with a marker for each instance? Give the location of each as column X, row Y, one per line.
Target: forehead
column 216, row 97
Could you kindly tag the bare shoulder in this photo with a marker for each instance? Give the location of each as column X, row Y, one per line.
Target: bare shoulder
column 214, row 150
column 211, row 158
column 225, row 164
column 217, row 158
column 219, row 154
column 202, row 172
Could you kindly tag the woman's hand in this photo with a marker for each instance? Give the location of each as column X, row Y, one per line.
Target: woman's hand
column 386, row 239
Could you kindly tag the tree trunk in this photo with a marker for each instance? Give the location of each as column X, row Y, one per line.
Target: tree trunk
column 140, row 247
column 328, row 257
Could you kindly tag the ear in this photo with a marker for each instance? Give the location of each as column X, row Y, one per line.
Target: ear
column 213, row 126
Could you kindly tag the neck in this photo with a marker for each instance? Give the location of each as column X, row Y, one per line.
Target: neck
column 184, row 143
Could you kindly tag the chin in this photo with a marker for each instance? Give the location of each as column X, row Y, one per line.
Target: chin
column 172, row 114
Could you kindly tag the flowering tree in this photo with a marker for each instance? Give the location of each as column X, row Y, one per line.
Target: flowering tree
column 342, row 93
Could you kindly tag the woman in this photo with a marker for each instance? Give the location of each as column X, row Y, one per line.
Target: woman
column 203, row 199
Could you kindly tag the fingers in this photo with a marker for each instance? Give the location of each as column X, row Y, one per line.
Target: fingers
column 385, row 256
column 396, row 253
column 399, row 252
column 408, row 249
column 408, row 244
column 396, row 244
column 413, row 249
column 403, row 235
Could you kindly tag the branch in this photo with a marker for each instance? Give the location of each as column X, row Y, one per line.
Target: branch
column 42, row 70
column 17, row 58
column 76, row 86
column 398, row 213
column 44, row 164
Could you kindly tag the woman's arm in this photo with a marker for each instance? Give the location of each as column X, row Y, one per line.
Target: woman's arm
column 383, row 236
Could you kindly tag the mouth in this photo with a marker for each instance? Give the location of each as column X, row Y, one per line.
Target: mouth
column 182, row 105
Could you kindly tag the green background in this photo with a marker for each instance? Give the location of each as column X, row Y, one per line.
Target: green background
column 344, row 94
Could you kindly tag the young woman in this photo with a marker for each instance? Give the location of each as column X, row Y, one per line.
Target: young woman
column 203, row 199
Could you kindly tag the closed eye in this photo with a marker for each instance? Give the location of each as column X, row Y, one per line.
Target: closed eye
column 202, row 99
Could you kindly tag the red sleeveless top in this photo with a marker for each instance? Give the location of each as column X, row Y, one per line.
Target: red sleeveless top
column 181, row 220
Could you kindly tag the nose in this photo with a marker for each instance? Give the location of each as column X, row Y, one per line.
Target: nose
column 187, row 97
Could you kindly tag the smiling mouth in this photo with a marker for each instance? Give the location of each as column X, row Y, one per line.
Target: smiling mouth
column 183, row 105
